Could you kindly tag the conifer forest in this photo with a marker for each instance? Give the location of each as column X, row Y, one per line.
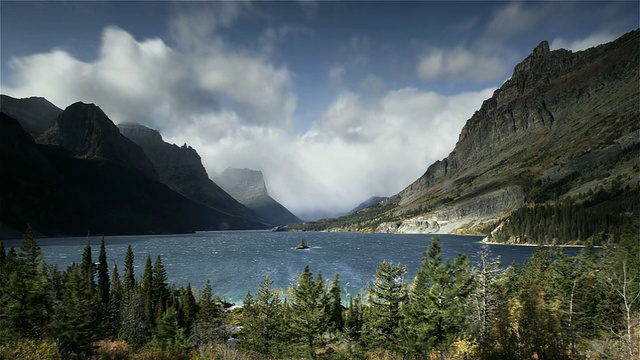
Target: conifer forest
column 551, row 307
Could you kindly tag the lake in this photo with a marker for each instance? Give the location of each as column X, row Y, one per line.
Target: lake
column 237, row 261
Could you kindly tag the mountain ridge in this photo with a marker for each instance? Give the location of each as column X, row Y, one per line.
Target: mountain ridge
column 559, row 122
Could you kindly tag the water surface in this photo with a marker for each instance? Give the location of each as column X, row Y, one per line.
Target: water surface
column 237, row 261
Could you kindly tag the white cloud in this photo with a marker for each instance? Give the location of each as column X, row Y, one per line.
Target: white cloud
column 335, row 74
column 584, row 43
column 459, row 63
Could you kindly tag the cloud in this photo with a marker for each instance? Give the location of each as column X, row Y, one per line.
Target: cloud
column 459, row 63
column 336, row 74
column 511, row 20
column 584, row 43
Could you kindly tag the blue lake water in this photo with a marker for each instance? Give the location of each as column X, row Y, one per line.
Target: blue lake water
column 237, row 261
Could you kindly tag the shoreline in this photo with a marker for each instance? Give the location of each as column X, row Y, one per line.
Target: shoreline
column 535, row 245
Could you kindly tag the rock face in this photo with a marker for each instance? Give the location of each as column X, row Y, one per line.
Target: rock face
column 247, row 186
column 35, row 114
column 181, row 169
column 559, row 127
column 87, row 132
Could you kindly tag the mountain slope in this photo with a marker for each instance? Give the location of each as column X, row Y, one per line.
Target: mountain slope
column 62, row 194
column 563, row 125
column 35, row 114
column 87, row 132
column 181, row 169
column 247, row 186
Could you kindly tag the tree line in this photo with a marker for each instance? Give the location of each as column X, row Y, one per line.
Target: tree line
column 595, row 217
column 551, row 307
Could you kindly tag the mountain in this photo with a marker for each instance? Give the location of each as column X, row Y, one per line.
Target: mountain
column 247, row 186
column 62, row 194
column 374, row 200
column 562, row 129
column 181, row 169
column 35, row 114
column 87, row 132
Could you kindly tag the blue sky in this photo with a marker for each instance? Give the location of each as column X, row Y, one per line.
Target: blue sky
column 333, row 101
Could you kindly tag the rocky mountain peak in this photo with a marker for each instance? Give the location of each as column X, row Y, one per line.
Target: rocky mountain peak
column 87, row 132
column 243, row 184
column 140, row 134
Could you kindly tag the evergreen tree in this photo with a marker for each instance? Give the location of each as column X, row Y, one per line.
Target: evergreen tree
column 159, row 285
column 88, row 268
column 146, row 288
column 209, row 324
column 334, row 308
column 115, row 300
column 129, row 280
column 436, row 311
column 77, row 322
column 189, row 308
column 103, row 274
column 353, row 322
column 133, row 326
column 262, row 332
column 309, row 320
column 387, row 296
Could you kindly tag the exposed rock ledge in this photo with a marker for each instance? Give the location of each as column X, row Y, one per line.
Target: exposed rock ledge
column 477, row 210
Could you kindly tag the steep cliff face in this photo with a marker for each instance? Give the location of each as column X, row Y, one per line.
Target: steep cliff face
column 35, row 114
column 560, row 125
column 181, row 169
column 87, row 132
column 248, row 187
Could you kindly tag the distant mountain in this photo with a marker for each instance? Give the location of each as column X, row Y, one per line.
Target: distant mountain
column 248, row 187
column 181, row 169
column 35, row 114
column 374, row 200
column 87, row 132
column 563, row 130
column 90, row 187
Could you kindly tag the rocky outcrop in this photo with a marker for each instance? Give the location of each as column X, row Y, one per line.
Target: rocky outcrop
column 181, row 169
column 35, row 114
column 87, row 133
column 248, row 187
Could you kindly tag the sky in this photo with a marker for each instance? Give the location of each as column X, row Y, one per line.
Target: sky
column 334, row 102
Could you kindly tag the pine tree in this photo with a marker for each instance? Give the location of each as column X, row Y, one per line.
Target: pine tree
column 103, row 274
column 88, row 268
column 334, row 308
column 129, row 280
column 485, row 297
column 436, row 311
column 387, row 296
column 160, row 289
column 76, row 324
column 115, row 300
column 353, row 322
column 208, row 328
column 263, row 317
column 189, row 308
column 146, row 288
column 309, row 320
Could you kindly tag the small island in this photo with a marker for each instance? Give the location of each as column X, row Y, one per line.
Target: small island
column 303, row 245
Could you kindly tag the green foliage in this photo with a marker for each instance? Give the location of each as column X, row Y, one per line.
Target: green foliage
column 308, row 310
column 436, row 312
column 263, row 317
column 387, row 296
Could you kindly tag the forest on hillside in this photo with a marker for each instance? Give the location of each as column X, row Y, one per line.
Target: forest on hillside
column 551, row 307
